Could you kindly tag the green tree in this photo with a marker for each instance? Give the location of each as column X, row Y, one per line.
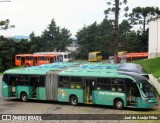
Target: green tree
column 142, row 15
column 93, row 38
column 105, row 28
column 133, row 42
column 125, row 27
column 55, row 38
column 36, row 43
column 7, row 52
column 22, row 47
column 4, row 24
column 64, row 40
column 86, row 40
column 143, row 37
column 50, row 36
column 115, row 9
column 115, row 42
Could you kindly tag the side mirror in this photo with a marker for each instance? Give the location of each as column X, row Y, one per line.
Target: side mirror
column 141, row 86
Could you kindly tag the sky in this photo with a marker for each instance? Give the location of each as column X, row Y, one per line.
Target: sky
column 35, row 15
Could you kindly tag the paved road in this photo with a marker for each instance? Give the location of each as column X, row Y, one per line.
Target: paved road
column 14, row 106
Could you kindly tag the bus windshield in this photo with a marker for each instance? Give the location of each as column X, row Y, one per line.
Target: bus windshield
column 91, row 55
column 148, row 90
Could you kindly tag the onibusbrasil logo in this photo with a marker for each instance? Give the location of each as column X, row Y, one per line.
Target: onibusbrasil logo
column 5, row 0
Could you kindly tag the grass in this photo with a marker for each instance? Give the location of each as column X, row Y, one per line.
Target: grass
column 152, row 66
column 18, row 67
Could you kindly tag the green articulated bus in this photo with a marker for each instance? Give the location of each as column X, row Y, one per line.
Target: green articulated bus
column 116, row 89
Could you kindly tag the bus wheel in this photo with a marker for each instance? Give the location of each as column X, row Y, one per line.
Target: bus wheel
column 73, row 100
column 24, row 97
column 119, row 104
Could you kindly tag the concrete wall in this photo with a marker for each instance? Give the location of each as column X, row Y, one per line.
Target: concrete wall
column 154, row 39
column 155, row 82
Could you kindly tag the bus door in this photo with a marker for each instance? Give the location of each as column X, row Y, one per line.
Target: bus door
column 13, row 79
column 35, row 61
column 132, row 94
column 23, row 61
column 34, row 82
column 88, row 90
column 51, row 60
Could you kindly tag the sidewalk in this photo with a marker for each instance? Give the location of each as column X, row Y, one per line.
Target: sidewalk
column 155, row 82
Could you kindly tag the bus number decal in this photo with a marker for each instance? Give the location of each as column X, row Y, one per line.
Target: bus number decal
column 110, row 93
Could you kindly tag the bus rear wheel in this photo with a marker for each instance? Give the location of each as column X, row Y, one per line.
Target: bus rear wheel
column 73, row 100
column 24, row 97
column 119, row 104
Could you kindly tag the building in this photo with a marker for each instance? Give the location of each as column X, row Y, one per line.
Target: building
column 154, row 39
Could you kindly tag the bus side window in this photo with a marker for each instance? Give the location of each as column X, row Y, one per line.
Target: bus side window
column 64, row 81
column 5, row 79
column 23, row 80
column 45, row 59
column 103, row 84
column 41, row 81
column 76, row 82
column 12, row 80
column 117, row 85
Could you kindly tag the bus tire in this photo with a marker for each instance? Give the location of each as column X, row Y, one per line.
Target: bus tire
column 118, row 104
column 24, row 97
column 73, row 100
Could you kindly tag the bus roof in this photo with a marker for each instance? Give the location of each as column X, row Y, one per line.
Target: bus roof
column 37, row 55
column 82, row 69
column 66, row 52
column 95, row 52
column 26, row 71
column 72, row 72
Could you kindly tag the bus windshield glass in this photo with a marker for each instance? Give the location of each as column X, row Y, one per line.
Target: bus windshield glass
column 148, row 90
column 91, row 55
column 99, row 54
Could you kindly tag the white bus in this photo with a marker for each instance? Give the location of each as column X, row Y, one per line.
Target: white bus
column 65, row 55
